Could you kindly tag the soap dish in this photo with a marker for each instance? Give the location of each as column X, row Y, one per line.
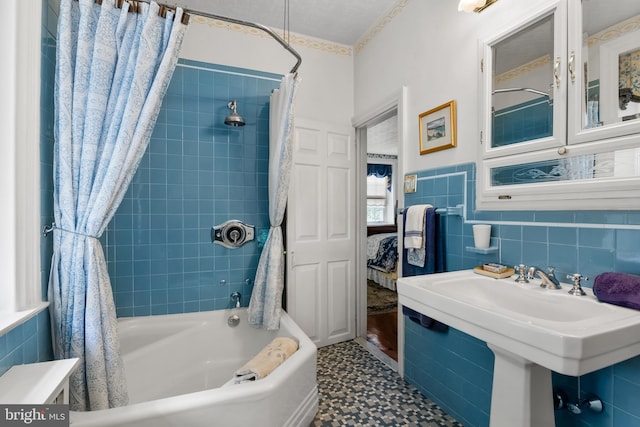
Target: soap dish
column 507, row 273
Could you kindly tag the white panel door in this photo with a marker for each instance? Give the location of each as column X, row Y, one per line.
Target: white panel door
column 321, row 241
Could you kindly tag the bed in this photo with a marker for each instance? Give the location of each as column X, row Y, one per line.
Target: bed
column 382, row 256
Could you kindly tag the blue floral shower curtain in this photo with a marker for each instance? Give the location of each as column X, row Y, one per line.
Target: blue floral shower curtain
column 112, row 71
column 265, row 306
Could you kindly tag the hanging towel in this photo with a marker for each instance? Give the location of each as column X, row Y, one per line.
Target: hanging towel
column 434, row 251
column 414, row 226
column 618, row 288
column 415, row 234
column 268, row 359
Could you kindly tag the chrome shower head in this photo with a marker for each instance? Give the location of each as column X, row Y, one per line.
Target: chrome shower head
column 233, row 119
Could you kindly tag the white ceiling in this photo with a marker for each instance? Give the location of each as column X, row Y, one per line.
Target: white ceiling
column 382, row 138
column 339, row 21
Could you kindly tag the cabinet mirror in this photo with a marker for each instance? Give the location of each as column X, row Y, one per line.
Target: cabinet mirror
column 522, row 85
column 560, row 115
column 609, row 48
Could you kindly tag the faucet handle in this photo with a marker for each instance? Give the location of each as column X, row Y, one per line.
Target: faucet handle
column 521, row 269
column 577, row 288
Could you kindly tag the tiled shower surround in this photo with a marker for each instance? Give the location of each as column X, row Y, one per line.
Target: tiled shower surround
column 454, row 369
column 197, row 173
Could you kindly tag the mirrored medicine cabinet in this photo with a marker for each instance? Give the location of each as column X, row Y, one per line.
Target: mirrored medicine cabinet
column 560, row 112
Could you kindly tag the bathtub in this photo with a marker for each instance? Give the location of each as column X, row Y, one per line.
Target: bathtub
column 179, row 367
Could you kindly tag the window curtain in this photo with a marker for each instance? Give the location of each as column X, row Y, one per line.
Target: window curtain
column 380, row 171
column 112, row 71
column 265, row 306
column 376, row 191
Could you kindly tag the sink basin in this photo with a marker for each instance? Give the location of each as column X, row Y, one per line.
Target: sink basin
column 565, row 333
column 531, row 330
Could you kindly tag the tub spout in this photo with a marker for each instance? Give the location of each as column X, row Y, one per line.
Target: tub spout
column 235, row 297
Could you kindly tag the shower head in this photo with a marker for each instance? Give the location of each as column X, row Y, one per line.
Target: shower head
column 233, row 119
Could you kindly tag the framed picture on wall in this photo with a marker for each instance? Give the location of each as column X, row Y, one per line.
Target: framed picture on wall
column 410, row 183
column 438, row 128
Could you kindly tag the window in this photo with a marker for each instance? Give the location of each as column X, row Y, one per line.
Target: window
column 381, row 138
column 376, row 199
column 20, row 289
column 380, row 200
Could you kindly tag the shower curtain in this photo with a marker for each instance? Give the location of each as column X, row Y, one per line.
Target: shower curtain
column 265, row 306
column 112, row 71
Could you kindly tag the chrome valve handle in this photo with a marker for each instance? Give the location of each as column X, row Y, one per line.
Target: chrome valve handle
column 577, row 288
column 521, row 269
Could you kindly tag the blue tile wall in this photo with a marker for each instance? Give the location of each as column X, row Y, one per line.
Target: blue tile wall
column 30, row 341
column 589, row 242
column 522, row 122
column 440, row 366
column 196, row 173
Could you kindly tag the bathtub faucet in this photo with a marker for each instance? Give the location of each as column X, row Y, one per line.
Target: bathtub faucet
column 235, row 297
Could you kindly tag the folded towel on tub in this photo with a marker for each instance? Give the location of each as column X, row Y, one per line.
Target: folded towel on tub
column 618, row 288
column 268, row 359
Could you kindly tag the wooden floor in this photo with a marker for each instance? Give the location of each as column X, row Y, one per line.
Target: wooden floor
column 382, row 330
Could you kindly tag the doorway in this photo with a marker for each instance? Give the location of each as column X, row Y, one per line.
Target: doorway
column 394, row 105
column 380, row 136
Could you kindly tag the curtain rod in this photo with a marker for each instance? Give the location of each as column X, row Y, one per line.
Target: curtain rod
column 261, row 27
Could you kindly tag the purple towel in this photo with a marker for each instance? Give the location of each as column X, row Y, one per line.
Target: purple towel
column 618, row 288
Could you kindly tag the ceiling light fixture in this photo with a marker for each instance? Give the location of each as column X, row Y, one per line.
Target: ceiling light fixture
column 474, row 5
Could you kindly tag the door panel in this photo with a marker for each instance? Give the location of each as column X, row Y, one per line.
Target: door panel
column 320, row 232
column 338, row 226
column 305, row 185
column 304, row 297
column 340, row 301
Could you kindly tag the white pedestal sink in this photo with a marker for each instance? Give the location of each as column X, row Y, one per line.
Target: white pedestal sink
column 531, row 331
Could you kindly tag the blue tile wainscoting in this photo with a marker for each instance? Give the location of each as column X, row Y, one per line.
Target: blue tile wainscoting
column 454, row 369
column 197, row 173
column 29, row 342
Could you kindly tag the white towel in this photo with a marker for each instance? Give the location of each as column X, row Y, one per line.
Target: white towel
column 414, row 226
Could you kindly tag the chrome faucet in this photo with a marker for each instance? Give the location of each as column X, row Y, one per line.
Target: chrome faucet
column 549, row 280
column 235, row 298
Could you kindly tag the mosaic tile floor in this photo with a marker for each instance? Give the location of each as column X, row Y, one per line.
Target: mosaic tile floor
column 356, row 389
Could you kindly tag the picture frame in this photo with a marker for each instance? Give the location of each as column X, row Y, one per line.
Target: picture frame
column 437, row 128
column 410, row 183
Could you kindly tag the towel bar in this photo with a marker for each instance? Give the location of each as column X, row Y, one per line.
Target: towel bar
column 450, row 210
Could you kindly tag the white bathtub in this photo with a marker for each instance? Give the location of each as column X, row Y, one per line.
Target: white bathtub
column 178, row 369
